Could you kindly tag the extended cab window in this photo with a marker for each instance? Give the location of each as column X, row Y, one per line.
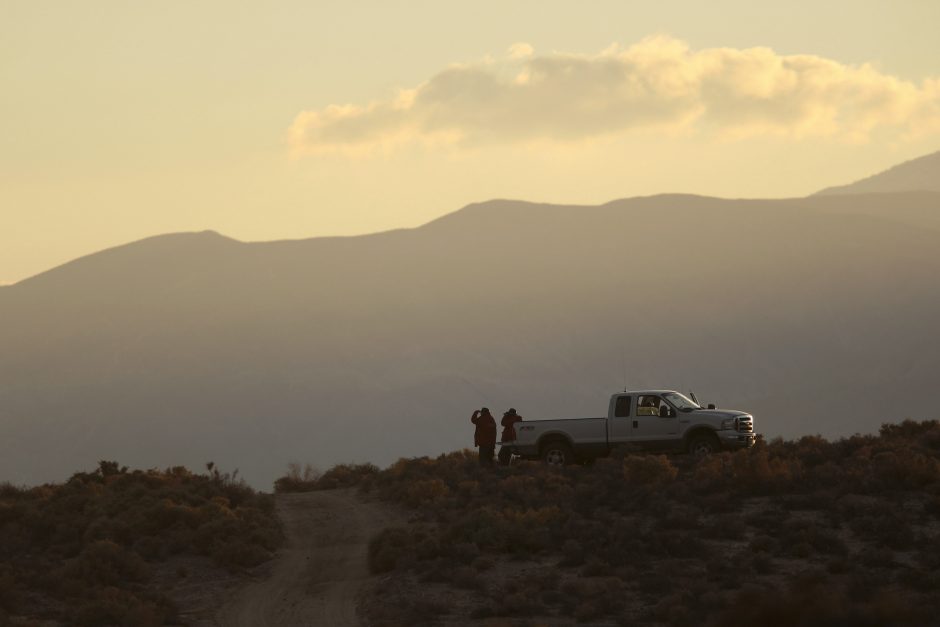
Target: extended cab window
column 622, row 409
column 648, row 405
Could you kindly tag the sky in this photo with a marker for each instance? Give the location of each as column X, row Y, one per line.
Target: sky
column 120, row 120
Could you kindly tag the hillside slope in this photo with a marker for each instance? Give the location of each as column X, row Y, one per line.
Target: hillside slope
column 818, row 314
column 919, row 174
column 801, row 532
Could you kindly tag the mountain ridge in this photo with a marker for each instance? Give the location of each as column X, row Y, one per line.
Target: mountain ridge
column 919, row 174
column 369, row 348
column 500, row 203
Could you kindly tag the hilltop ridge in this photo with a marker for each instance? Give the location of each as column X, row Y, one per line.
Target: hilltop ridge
column 920, row 174
column 188, row 347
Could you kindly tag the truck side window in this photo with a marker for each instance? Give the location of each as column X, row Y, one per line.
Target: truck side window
column 648, row 405
column 622, row 409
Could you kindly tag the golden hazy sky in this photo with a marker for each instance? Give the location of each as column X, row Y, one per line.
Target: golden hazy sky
column 125, row 119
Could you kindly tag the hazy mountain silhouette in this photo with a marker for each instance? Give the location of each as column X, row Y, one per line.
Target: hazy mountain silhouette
column 817, row 314
column 921, row 174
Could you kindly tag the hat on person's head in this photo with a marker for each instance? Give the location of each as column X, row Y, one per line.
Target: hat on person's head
column 512, row 411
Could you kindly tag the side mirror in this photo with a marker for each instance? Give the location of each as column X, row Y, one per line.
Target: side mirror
column 712, row 406
column 665, row 412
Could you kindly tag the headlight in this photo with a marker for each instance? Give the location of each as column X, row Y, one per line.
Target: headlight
column 727, row 423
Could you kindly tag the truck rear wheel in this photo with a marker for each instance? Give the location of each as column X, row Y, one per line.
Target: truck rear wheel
column 703, row 445
column 557, row 453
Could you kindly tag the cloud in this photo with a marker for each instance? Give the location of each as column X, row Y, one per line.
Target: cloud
column 658, row 85
column 520, row 50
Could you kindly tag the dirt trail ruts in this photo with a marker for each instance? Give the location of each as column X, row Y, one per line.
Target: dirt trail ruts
column 316, row 577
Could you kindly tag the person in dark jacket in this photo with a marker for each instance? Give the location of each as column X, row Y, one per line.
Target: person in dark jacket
column 510, row 418
column 484, row 436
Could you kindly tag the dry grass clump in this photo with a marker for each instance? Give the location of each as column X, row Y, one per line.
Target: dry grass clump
column 650, row 539
column 651, row 470
column 812, row 600
column 83, row 550
column 308, row 478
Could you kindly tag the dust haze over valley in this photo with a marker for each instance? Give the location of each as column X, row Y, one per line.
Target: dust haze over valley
column 817, row 314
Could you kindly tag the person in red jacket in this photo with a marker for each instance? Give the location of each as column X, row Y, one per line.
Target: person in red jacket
column 484, row 436
column 510, row 418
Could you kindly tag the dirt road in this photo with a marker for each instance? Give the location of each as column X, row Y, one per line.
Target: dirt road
column 315, row 578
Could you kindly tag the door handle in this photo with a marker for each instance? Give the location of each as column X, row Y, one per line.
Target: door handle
column 636, row 424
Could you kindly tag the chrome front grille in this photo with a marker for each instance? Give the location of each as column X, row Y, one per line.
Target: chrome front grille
column 745, row 424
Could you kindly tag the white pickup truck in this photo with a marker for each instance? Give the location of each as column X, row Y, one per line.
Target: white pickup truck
column 650, row 419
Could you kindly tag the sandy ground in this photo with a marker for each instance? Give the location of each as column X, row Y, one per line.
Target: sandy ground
column 316, row 577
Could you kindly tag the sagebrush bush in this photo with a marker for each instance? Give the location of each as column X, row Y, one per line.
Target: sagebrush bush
column 87, row 544
column 309, row 479
column 815, row 602
column 653, row 539
column 648, row 470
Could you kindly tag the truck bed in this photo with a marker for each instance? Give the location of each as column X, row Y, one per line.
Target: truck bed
column 586, row 431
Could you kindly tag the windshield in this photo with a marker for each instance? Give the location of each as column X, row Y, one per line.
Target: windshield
column 679, row 401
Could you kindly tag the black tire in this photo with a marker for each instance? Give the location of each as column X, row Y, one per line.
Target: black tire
column 703, row 445
column 557, row 453
column 505, row 456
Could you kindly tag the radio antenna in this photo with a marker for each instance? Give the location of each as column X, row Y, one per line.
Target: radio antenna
column 623, row 366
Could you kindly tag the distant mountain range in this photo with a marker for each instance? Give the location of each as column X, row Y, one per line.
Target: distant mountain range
column 921, row 174
column 818, row 314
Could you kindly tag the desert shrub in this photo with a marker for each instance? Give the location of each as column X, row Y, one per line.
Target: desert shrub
column 505, row 530
column 85, row 545
column 10, row 595
column 885, row 527
column 425, row 491
column 806, row 538
column 906, row 468
column 483, row 563
column 590, row 598
column 236, row 554
column 348, row 475
column 706, row 530
column 927, row 431
column 813, row 601
column 648, row 470
column 113, row 606
column 306, row 478
column 760, row 470
column 572, row 553
column 876, row 557
column 919, row 579
column 107, row 563
column 388, row 547
column 726, row 527
column 406, row 609
column 521, row 597
column 597, row 567
column 680, row 516
column 762, row 564
column 467, row 577
column 678, row 608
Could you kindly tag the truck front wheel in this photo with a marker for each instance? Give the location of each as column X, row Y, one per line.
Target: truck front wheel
column 703, row 445
column 557, row 453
